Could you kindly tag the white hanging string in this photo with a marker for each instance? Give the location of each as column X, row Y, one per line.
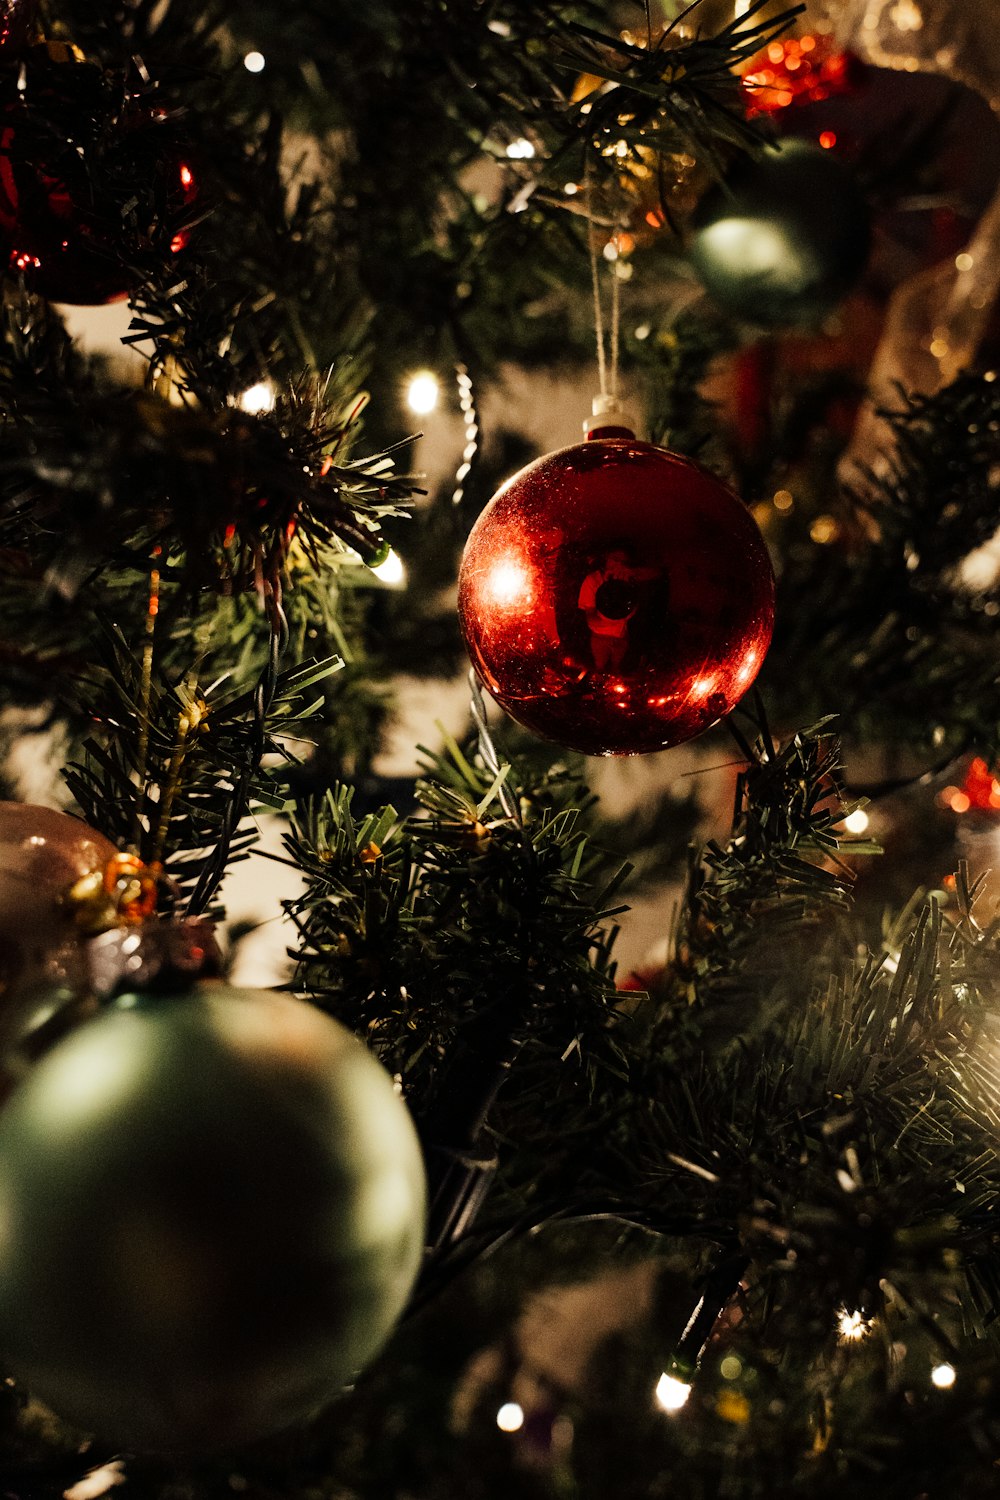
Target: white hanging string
column 607, row 379
column 616, row 320
column 595, row 277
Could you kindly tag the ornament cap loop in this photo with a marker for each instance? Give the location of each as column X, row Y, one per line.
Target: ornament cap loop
column 157, row 953
column 608, row 419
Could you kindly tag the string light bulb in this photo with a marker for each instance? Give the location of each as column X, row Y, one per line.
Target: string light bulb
column 943, row 1377
column 257, row 398
column 671, row 1393
column 255, row 62
column 391, row 570
column 857, row 821
column 852, row 1326
column 510, row 1417
column 422, row 393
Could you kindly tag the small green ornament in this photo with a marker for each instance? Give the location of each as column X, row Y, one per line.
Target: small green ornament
column 784, row 238
column 212, row 1208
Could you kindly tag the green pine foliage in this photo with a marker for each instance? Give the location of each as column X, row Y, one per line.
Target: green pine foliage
column 792, row 1129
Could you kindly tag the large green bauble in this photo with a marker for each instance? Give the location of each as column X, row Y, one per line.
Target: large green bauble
column 783, row 239
column 211, row 1215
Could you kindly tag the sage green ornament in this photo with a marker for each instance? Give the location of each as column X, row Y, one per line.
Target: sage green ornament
column 784, row 238
column 211, row 1216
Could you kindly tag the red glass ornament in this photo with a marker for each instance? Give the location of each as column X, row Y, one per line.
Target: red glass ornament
column 17, row 18
column 62, row 193
column 615, row 597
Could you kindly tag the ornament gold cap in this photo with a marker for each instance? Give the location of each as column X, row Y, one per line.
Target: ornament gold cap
column 608, row 418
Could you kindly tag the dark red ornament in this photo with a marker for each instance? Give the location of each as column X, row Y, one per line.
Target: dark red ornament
column 17, row 18
column 615, row 597
column 83, row 188
column 800, row 70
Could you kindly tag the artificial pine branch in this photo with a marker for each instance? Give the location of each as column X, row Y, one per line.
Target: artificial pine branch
column 177, row 762
column 883, row 624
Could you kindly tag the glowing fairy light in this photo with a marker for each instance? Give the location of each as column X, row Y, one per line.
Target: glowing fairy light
column 392, row 571
column 520, row 150
column 255, row 62
column 943, row 1377
column 852, row 1326
column 97, row 1482
column 510, row 1417
column 857, row 821
column 671, row 1393
column 422, row 393
column 257, row 398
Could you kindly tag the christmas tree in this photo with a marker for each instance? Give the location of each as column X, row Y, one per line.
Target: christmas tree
column 586, row 1087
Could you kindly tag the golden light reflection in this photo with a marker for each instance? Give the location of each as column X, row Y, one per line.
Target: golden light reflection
column 748, row 667
column 702, row 687
column 852, row 1326
column 671, row 1394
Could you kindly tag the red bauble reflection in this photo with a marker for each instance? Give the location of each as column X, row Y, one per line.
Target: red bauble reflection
column 616, row 598
column 63, row 191
column 17, row 18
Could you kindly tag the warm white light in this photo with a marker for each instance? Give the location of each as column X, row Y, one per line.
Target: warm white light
column 748, row 667
column 97, row 1483
column 851, row 1326
column 510, row 1417
column 254, row 62
column 742, row 246
column 943, row 1376
column 258, row 398
column 672, row 1393
column 508, row 583
column 422, row 393
column 520, row 150
column 391, row 571
column 857, row 822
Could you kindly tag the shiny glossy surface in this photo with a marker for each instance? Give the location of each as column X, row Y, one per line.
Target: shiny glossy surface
column 616, row 598
column 784, row 238
column 212, row 1211
column 52, row 232
column 42, row 854
column 17, row 17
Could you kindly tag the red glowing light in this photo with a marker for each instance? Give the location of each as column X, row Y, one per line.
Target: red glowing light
column 803, row 71
column 828, row 139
